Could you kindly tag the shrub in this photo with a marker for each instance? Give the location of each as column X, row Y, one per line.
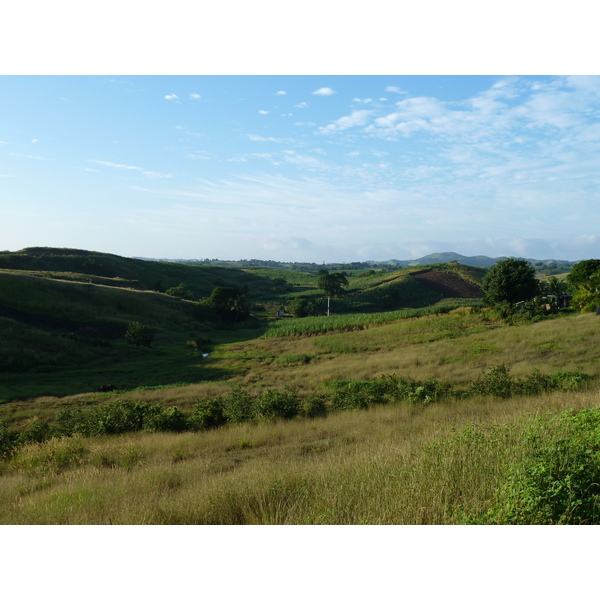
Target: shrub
column 426, row 392
column 497, row 382
column 35, row 432
column 119, row 416
column 8, row 440
column 273, row 404
column 208, row 413
column 357, row 394
column 158, row 418
column 238, row 406
column 315, row 406
column 559, row 482
column 138, row 334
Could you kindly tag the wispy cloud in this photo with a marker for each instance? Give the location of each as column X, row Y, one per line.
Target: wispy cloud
column 151, row 174
column 30, row 156
column 281, row 93
column 324, row 91
column 263, row 112
column 171, row 97
column 301, row 105
column 195, row 96
column 260, row 138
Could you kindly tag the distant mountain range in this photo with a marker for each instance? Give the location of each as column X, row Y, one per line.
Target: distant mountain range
column 545, row 266
column 472, row 261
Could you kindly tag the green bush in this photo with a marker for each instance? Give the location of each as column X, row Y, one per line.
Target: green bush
column 35, row 432
column 8, row 440
column 138, row 334
column 208, row 413
column 559, row 481
column 357, row 394
column 272, row 404
column 497, row 382
column 158, row 418
column 315, row 406
column 238, row 406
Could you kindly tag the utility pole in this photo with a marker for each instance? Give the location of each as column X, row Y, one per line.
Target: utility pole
column 327, row 306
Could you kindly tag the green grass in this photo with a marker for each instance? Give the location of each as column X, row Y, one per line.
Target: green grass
column 397, row 464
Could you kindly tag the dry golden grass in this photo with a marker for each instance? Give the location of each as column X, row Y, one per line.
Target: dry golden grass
column 352, row 467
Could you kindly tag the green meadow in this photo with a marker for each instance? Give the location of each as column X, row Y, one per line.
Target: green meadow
column 434, row 410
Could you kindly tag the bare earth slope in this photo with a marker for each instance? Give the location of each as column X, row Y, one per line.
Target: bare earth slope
column 451, row 286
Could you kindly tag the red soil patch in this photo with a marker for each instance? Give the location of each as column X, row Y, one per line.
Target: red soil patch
column 449, row 285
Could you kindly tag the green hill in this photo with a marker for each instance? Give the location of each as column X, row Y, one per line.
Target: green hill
column 64, row 314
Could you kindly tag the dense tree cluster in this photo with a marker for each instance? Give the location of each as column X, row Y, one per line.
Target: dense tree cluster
column 511, row 280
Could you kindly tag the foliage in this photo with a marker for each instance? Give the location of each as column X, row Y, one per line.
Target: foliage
column 302, row 307
column 229, row 303
column 182, row 291
column 511, row 280
column 315, row 406
column 319, row 325
column 238, row 406
column 499, row 382
column 332, row 284
column 274, row 404
column 588, row 293
column 208, row 413
column 582, row 272
column 138, row 334
column 8, row 440
column 559, row 481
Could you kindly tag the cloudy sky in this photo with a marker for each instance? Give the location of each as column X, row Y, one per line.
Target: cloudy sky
column 301, row 167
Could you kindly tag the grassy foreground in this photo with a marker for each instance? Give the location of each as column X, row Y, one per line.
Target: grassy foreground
column 444, row 463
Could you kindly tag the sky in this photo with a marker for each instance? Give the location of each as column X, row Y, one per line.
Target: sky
column 317, row 168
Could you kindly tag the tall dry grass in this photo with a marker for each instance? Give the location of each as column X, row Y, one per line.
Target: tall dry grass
column 394, row 464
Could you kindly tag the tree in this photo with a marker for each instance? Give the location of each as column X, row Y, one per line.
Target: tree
column 582, row 272
column 230, row 304
column 332, row 283
column 302, row 307
column 138, row 334
column 553, row 285
column 181, row 291
column 511, row 280
column 588, row 292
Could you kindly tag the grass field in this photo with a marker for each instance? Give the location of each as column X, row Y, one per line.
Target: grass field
column 463, row 456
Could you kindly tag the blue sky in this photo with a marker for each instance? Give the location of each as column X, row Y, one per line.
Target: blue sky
column 301, row 167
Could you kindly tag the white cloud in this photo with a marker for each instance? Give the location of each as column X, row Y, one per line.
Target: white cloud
column 394, row 89
column 151, row 174
column 357, row 118
column 263, row 112
column 34, row 141
column 27, row 156
column 259, row 138
column 324, row 91
column 195, row 96
column 281, row 93
column 301, row 105
column 363, row 100
column 171, row 97
column 199, row 155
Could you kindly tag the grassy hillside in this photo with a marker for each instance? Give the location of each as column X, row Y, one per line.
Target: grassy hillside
column 64, row 314
column 422, row 413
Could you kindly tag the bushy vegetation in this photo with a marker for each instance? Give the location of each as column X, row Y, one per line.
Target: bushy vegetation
column 558, row 480
column 241, row 406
